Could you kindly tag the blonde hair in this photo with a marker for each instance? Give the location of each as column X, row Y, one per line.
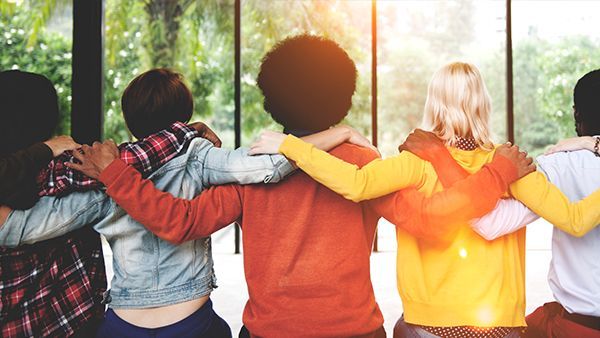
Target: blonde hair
column 458, row 105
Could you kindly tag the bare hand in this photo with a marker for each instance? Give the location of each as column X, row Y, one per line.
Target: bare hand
column 422, row 143
column 94, row 159
column 207, row 133
column 519, row 158
column 572, row 144
column 359, row 140
column 60, row 144
column 268, row 142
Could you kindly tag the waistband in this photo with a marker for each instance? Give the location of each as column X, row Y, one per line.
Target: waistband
column 191, row 326
column 591, row 322
column 141, row 299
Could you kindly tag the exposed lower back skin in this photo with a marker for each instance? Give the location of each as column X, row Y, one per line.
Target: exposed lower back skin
column 161, row 316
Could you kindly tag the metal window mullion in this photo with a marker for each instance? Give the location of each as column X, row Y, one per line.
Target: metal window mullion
column 237, row 94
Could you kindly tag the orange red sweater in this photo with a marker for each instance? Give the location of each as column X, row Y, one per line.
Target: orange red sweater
column 306, row 249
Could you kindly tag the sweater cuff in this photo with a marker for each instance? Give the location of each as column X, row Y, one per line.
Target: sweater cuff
column 505, row 168
column 41, row 153
column 291, row 145
column 111, row 173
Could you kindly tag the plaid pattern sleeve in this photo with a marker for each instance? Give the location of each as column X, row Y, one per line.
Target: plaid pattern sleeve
column 53, row 288
column 145, row 155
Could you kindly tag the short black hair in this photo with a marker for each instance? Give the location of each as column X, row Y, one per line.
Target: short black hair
column 154, row 100
column 28, row 110
column 586, row 97
column 307, row 82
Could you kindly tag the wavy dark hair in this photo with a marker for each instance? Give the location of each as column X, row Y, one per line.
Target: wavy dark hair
column 307, row 82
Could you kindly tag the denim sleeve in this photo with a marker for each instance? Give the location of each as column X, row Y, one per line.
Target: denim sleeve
column 223, row 166
column 53, row 217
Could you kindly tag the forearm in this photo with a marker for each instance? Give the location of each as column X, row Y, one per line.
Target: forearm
column 439, row 214
column 508, row 216
column 446, row 168
column 328, row 139
column 546, row 200
column 53, row 217
column 378, row 178
column 222, row 166
column 173, row 219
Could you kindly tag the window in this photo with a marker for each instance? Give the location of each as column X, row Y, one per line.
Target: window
column 264, row 23
column 551, row 52
column 415, row 38
column 36, row 37
column 194, row 38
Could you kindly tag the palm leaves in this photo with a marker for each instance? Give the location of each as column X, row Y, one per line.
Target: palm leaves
column 41, row 12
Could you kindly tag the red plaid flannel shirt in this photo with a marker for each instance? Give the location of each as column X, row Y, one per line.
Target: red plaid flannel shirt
column 53, row 288
column 145, row 155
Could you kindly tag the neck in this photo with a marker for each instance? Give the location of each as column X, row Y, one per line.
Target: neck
column 299, row 132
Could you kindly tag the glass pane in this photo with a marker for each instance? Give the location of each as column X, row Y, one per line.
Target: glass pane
column 266, row 22
column 34, row 42
column 415, row 38
column 551, row 52
column 197, row 42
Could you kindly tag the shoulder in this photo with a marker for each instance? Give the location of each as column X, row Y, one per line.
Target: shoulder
column 574, row 159
column 354, row 154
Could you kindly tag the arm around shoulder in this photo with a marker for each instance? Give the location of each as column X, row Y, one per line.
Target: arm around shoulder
column 222, row 166
column 546, row 200
column 53, row 217
column 376, row 179
column 173, row 219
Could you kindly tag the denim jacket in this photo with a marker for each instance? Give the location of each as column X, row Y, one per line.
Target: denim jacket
column 148, row 272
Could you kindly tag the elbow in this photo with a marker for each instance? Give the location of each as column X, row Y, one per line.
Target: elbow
column 355, row 196
column 577, row 233
column 488, row 236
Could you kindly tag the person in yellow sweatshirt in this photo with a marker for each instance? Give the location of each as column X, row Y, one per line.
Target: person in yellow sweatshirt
column 460, row 284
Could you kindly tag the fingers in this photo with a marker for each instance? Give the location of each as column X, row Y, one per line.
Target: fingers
column 78, row 155
column 74, row 166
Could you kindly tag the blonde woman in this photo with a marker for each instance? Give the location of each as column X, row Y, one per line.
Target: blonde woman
column 461, row 284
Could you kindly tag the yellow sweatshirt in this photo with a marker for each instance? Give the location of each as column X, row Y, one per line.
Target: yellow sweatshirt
column 463, row 280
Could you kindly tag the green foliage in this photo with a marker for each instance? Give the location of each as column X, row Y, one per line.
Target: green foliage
column 195, row 37
column 50, row 55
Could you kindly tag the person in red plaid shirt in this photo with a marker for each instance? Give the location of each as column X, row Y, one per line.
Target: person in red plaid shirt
column 52, row 288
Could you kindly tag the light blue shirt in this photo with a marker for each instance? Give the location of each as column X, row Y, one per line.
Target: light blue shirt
column 574, row 274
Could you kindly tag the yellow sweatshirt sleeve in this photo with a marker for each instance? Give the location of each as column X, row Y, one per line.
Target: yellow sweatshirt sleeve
column 378, row 178
column 546, row 200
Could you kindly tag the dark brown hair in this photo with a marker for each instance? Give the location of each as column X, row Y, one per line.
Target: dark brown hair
column 154, row 100
column 586, row 97
column 28, row 110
